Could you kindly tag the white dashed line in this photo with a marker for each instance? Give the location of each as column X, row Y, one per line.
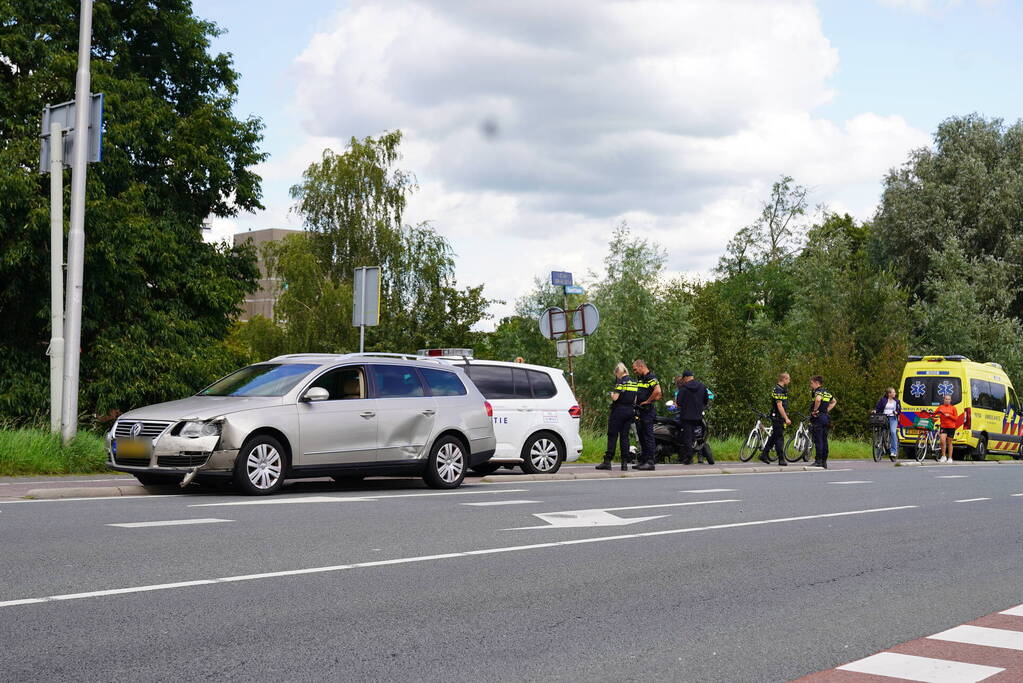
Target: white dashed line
column 971, row 500
column 490, row 503
column 850, row 482
column 350, row 499
column 170, row 522
column 425, row 558
column 1016, row 495
column 953, row 476
column 709, row 491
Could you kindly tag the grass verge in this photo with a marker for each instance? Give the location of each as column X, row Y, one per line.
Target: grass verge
column 37, row 451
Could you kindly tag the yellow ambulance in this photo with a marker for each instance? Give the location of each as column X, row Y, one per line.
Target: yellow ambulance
column 981, row 392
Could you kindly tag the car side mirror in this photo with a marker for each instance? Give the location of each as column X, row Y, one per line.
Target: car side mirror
column 316, row 394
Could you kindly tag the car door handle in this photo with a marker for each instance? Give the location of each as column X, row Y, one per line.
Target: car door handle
column 429, row 411
column 524, row 408
column 368, row 414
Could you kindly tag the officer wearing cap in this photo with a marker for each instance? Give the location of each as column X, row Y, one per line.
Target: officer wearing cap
column 691, row 399
column 779, row 418
column 822, row 403
column 648, row 390
column 619, row 421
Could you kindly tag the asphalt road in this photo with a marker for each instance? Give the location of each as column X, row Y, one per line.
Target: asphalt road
column 778, row 576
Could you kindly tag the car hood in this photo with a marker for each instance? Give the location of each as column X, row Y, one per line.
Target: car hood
column 201, row 407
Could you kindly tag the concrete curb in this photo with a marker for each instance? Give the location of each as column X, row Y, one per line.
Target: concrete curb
column 87, row 492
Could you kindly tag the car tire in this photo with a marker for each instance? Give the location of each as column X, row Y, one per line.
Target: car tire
column 260, row 467
column 483, row 469
column 1018, row 455
column 148, row 479
column 445, row 468
column 542, row 453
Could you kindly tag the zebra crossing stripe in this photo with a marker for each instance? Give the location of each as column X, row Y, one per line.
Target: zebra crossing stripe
column 926, row 669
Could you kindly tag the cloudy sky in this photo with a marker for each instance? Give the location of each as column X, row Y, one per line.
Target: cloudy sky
column 536, row 126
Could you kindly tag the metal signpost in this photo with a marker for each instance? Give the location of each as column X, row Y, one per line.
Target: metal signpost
column 366, row 301
column 56, row 148
column 57, row 143
column 561, row 323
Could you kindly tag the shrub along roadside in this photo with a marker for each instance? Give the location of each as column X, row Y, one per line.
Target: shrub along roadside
column 37, row 451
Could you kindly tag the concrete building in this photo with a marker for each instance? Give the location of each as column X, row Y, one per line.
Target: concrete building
column 261, row 302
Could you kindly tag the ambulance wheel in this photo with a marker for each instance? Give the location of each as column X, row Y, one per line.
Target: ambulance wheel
column 1018, row 455
column 980, row 451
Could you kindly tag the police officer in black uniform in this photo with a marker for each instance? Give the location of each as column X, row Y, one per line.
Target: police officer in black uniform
column 619, row 422
column 822, row 403
column 779, row 418
column 691, row 400
column 648, row 390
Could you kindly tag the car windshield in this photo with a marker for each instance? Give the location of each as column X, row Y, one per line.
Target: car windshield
column 266, row 379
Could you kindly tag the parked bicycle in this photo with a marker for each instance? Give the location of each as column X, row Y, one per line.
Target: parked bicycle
column 881, row 437
column 928, row 443
column 799, row 445
column 757, row 439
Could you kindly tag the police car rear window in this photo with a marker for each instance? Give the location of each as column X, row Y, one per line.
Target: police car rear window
column 500, row 381
column 928, row 391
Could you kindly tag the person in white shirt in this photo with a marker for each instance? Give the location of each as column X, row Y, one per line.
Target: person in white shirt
column 890, row 407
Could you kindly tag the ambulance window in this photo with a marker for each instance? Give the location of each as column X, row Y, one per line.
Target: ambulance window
column 928, row 391
column 997, row 394
column 979, row 393
column 1013, row 401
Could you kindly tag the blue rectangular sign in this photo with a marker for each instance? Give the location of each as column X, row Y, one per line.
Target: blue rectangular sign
column 573, row 289
column 561, row 278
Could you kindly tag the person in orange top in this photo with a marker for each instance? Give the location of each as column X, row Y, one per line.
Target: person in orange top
column 949, row 422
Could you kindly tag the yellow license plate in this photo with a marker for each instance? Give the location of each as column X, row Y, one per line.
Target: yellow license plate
column 912, row 432
column 132, row 448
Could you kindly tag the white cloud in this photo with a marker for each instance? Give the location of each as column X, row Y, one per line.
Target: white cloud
column 534, row 127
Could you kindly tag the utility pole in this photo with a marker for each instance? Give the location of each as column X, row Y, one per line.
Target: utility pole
column 76, row 237
column 56, row 351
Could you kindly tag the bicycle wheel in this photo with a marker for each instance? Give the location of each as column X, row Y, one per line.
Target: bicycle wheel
column 792, row 451
column 923, row 447
column 749, row 446
column 878, row 444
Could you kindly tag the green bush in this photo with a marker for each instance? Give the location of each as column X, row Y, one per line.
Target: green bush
column 37, row 451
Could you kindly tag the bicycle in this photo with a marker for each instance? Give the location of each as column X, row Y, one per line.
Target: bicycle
column 757, row 439
column 929, row 441
column 800, row 445
column 881, row 440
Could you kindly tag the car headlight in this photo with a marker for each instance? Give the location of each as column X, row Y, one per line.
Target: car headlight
column 193, row 430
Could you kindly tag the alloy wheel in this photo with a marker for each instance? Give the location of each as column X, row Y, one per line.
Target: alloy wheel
column 544, row 454
column 264, row 466
column 450, row 462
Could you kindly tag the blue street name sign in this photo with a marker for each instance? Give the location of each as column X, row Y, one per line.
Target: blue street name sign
column 573, row 289
column 561, row 278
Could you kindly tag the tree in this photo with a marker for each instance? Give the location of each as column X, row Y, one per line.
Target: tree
column 353, row 204
column 158, row 300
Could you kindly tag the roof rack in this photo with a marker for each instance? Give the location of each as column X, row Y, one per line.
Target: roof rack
column 402, row 356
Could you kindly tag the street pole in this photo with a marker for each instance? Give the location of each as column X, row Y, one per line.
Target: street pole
column 76, row 237
column 56, row 350
column 568, row 337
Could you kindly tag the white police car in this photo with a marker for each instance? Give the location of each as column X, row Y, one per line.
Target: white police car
column 536, row 415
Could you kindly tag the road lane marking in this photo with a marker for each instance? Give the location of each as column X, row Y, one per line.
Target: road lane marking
column 489, row 503
column 1016, row 611
column 170, row 522
column 982, row 635
column 128, row 497
column 468, row 553
column 971, row 500
column 349, row 499
column 926, row 669
column 850, row 482
column 709, row 491
column 1016, row 494
column 612, row 479
column 602, row 516
column 953, row 476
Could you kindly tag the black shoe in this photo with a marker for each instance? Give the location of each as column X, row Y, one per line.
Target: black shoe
column 782, row 463
column 710, row 461
column 824, row 465
column 764, row 459
column 645, row 467
column 625, row 467
column 606, row 465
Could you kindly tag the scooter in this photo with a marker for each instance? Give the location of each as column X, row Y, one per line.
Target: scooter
column 668, row 438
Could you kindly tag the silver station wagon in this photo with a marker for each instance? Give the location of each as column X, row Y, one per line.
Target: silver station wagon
column 344, row 416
